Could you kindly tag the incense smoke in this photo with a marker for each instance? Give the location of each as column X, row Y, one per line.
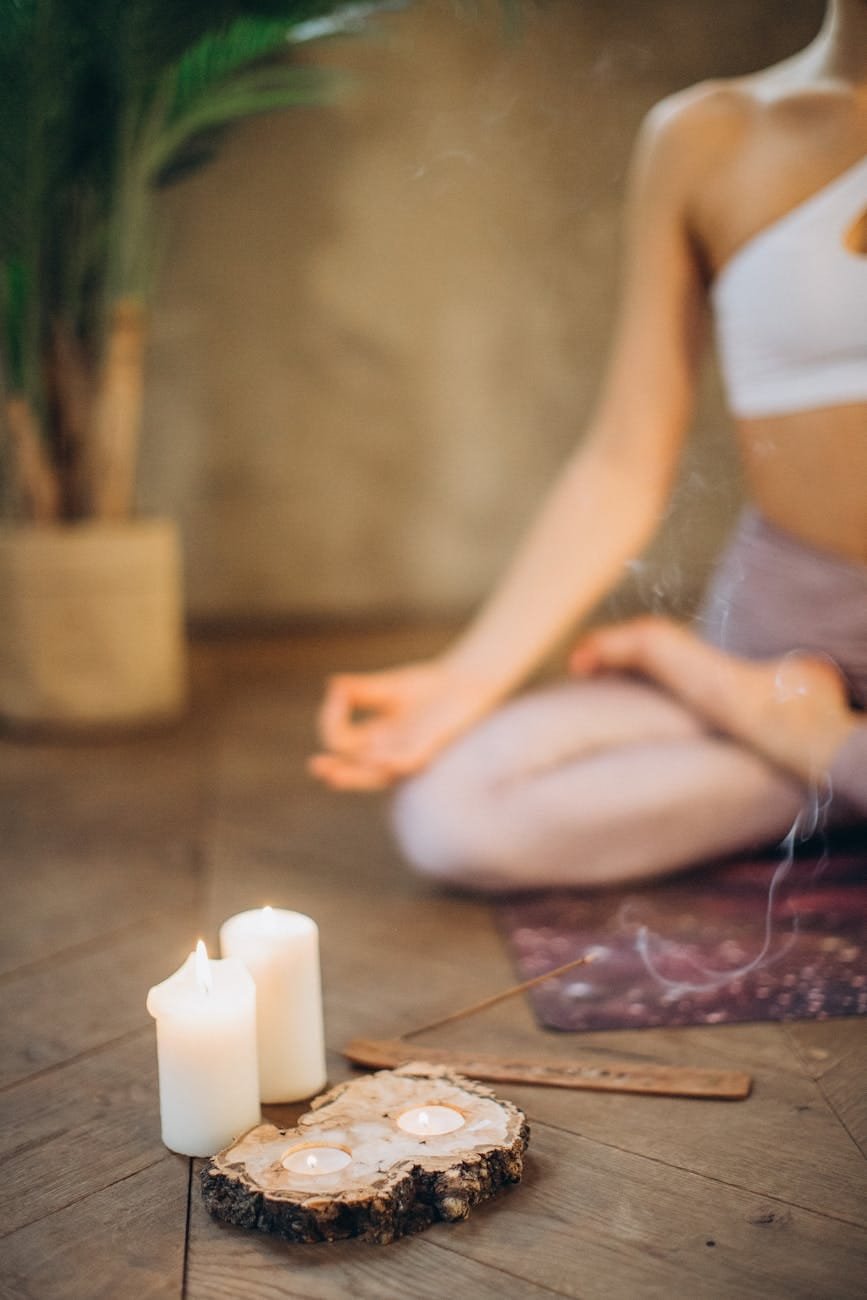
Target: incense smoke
column 658, row 953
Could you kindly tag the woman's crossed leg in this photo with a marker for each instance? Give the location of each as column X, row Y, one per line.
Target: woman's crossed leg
column 588, row 783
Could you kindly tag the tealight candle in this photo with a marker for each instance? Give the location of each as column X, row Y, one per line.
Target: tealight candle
column 428, row 1121
column 206, row 1054
column 312, row 1160
column 281, row 951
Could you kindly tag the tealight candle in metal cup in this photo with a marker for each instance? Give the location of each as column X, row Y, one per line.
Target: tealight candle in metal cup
column 430, row 1121
column 311, row 1159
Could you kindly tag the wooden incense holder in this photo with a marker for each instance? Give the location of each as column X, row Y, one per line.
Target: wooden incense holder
column 395, row 1182
column 598, row 1076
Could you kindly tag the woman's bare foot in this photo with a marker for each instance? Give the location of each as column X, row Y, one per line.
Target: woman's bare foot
column 793, row 710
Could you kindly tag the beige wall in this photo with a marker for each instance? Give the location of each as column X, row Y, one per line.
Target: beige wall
column 381, row 324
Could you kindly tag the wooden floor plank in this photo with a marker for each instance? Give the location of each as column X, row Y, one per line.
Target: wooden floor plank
column 125, row 1241
column 226, row 1263
column 613, row 1223
column 94, row 836
column 423, row 953
column 58, row 898
column 766, row 1144
column 78, row 1130
column 834, row 1053
column 110, row 856
column 81, row 1001
column 586, row 1222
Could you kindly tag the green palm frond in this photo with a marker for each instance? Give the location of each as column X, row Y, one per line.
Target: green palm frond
column 102, row 102
column 15, row 74
column 220, row 79
column 218, row 55
column 262, row 91
column 38, row 61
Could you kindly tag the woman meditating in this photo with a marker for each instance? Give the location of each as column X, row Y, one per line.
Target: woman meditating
column 667, row 746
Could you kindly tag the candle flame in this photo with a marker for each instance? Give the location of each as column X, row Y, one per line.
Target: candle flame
column 268, row 910
column 203, row 968
column 423, row 1119
column 311, row 1162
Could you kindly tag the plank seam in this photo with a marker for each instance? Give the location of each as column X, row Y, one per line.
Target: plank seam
column 711, row 1178
column 187, row 1222
column 95, row 1191
column 840, row 1120
column 83, row 949
column 496, row 1268
column 74, row 1060
column 819, row 1081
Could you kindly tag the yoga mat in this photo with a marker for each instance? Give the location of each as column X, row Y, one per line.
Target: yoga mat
column 757, row 939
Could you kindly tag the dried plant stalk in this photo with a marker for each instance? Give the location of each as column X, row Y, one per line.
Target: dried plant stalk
column 73, row 393
column 113, row 442
column 37, row 477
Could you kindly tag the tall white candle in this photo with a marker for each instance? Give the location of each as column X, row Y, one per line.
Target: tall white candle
column 206, row 1053
column 281, row 951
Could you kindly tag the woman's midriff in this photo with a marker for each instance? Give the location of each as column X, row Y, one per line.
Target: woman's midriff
column 807, row 473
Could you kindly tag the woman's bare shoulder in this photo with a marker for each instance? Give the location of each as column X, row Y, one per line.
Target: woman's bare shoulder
column 703, row 121
column 684, row 141
column 711, row 121
column 733, row 133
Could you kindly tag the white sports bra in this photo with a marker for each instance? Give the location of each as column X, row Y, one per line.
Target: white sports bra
column 791, row 307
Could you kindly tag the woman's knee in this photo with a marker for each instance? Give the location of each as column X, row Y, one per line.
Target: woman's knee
column 447, row 832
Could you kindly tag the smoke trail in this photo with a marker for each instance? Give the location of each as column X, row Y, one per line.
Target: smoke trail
column 656, row 951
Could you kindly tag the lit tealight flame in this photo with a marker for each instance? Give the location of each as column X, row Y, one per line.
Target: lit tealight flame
column 431, row 1120
column 202, row 967
column 319, row 1161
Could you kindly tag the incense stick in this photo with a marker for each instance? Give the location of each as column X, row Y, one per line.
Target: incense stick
column 499, row 997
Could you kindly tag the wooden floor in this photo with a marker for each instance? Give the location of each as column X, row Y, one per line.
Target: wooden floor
column 116, row 856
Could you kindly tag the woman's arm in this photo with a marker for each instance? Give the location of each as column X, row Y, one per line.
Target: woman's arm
column 793, row 710
column 608, row 500
column 847, row 772
column 602, row 510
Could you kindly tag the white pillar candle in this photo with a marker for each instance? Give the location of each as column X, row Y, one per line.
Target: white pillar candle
column 206, row 1054
column 281, row 951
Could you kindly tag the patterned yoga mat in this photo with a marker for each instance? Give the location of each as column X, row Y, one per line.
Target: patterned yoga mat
column 759, row 939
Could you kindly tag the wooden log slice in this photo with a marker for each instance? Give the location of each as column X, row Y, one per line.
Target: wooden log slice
column 395, row 1182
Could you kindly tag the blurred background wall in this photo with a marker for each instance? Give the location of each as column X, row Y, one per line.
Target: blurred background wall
column 381, row 324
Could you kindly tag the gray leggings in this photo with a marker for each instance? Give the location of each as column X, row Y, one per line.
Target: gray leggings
column 611, row 780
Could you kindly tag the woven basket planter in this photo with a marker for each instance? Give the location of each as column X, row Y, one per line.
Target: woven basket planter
column 91, row 626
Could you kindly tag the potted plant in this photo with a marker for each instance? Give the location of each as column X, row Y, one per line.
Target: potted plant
column 101, row 104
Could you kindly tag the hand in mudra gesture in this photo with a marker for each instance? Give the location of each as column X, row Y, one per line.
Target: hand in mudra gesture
column 376, row 728
column 794, row 709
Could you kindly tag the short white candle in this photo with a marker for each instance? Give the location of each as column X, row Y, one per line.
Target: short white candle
column 428, row 1121
column 281, row 951
column 311, row 1160
column 206, row 1053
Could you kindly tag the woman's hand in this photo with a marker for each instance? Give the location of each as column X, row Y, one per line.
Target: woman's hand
column 794, row 710
column 378, row 727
